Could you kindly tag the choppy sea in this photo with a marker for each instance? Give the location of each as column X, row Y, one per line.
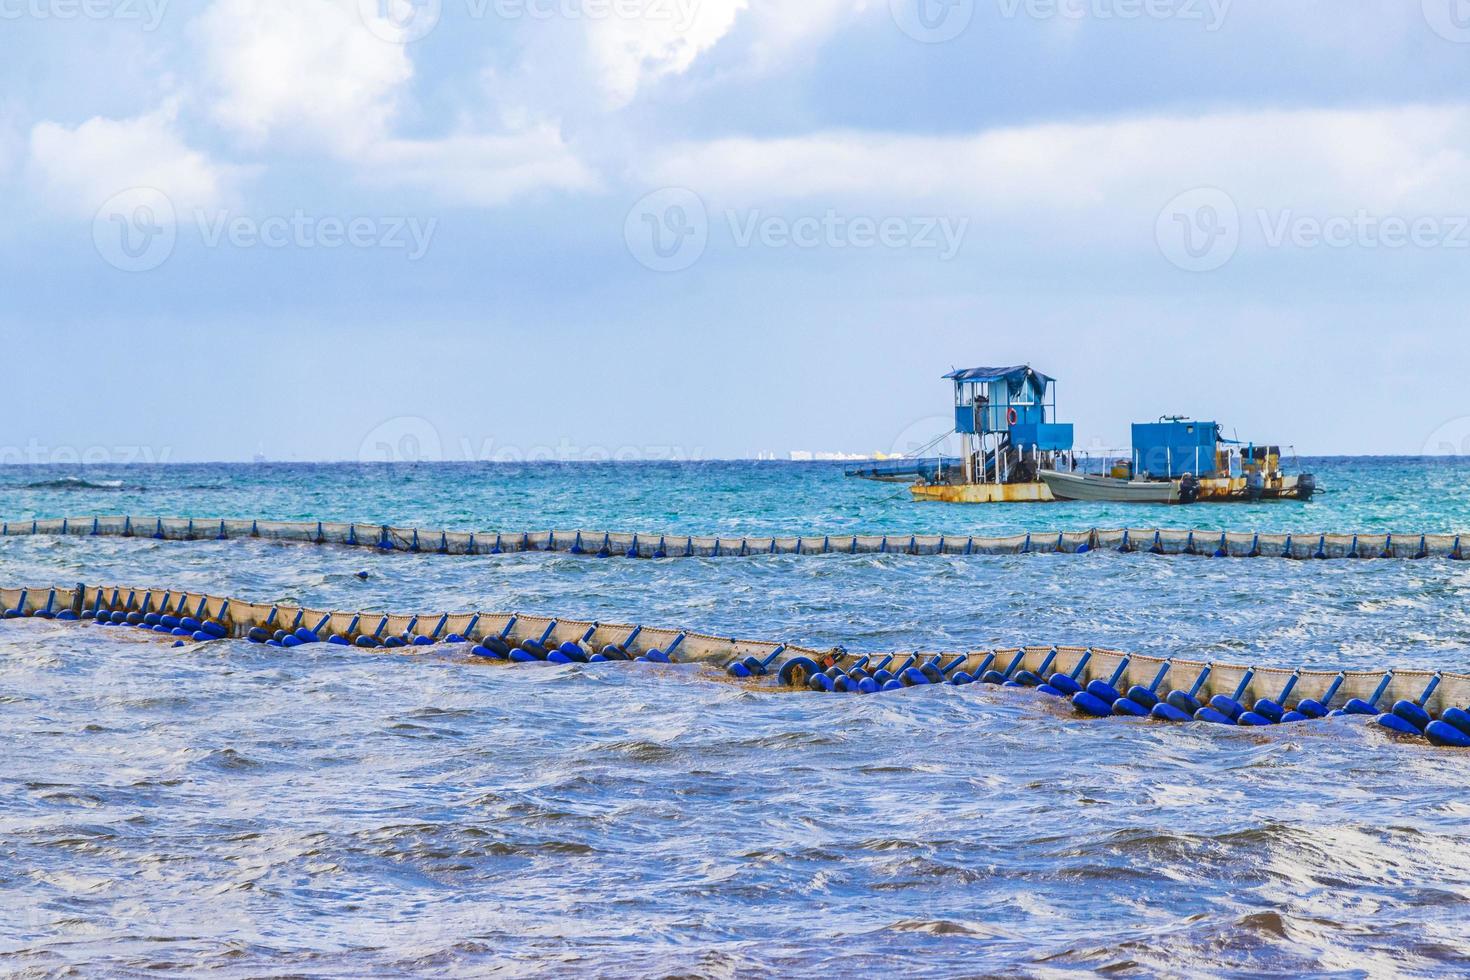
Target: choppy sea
column 245, row 811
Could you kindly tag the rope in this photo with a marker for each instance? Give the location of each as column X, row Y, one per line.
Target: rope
column 1098, row 682
column 1229, row 544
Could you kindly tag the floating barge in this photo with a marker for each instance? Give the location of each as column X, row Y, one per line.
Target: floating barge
column 1180, row 461
column 1014, row 451
column 1006, row 420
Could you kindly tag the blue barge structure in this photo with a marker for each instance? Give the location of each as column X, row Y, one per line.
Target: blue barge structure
column 1013, row 449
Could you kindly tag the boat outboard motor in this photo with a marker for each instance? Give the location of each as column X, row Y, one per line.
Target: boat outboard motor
column 1306, row 485
column 1255, row 485
column 1188, row 489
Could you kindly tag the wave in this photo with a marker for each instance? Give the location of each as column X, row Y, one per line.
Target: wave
column 78, row 483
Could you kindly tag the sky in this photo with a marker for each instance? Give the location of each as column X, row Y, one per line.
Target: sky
column 510, row 229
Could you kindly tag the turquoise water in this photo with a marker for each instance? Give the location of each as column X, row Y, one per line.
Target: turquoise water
column 249, row 810
column 1370, row 495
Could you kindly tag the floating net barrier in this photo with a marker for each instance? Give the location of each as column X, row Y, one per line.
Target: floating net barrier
column 604, row 544
column 1098, row 682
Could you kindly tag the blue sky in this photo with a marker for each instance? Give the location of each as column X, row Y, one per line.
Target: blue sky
column 708, row 228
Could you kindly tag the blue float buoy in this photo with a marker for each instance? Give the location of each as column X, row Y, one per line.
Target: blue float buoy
column 1441, row 732
column 1165, row 711
column 1103, row 691
column 1457, row 718
column 1128, row 707
column 1091, row 704
column 1269, row 709
column 291, row 641
column 1227, row 706
column 911, row 677
column 1144, row 697
column 306, row 636
column 1248, row 718
column 337, row 640
column 1412, row 713
column 1064, row 684
column 1292, row 716
column 422, row 641
column 523, row 657
column 1212, row 716
column 1311, row 708
column 1183, row 702
column 1050, row 691
column 1394, row 723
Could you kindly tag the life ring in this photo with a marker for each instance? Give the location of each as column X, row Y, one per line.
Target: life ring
column 1011, row 416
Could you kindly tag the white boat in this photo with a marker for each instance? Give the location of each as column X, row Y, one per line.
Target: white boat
column 1091, row 486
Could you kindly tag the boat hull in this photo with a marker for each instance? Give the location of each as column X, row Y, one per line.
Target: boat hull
column 1221, row 489
column 982, row 493
column 1102, row 489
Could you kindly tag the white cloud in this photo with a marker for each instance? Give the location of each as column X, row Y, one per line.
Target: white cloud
column 77, row 169
column 665, row 38
column 307, row 69
column 478, row 170
column 1377, row 159
column 313, row 73
column 781, row 27
column 626, row 53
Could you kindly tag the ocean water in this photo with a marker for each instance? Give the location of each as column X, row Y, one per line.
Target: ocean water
column 246, row 810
